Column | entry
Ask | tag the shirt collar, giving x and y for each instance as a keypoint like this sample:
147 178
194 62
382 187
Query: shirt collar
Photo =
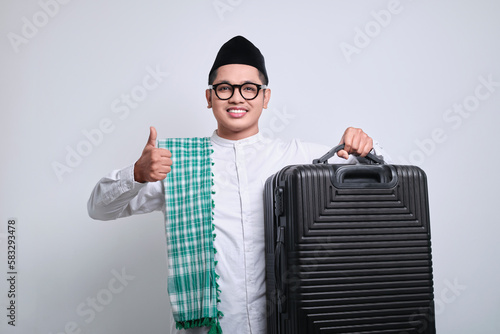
227 142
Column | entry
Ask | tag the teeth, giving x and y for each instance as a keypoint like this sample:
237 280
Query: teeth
236 111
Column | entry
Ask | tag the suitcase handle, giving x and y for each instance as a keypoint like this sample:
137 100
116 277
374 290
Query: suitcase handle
370 158
363 176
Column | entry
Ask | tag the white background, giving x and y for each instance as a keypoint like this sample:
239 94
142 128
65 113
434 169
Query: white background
70 67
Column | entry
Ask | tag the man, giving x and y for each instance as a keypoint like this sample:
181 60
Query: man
242 161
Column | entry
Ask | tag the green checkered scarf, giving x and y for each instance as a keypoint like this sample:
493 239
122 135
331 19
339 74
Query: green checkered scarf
192 281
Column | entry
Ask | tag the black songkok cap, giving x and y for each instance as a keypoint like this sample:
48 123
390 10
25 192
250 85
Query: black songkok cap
239 50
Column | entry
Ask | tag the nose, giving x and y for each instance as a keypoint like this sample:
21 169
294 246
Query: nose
237 97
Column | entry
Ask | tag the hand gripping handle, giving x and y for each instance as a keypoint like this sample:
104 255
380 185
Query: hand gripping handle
370 158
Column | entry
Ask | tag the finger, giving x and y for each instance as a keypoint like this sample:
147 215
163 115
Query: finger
165 152
161 175
367 147
343 154
166 162
342 139
347 139
152 137
355 144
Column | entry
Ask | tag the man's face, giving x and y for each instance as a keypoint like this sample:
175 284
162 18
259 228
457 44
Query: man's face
237 118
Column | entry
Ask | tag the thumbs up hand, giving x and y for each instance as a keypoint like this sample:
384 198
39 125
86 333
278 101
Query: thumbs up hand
154 163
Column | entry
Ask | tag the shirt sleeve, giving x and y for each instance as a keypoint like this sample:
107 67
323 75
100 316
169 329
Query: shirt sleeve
379 150
118 195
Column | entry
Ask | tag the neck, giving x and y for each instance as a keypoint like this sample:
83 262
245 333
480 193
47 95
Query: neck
236 135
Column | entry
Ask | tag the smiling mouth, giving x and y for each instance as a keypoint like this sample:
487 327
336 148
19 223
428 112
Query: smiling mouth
236 111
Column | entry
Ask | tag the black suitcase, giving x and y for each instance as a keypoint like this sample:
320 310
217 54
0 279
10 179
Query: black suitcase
348 249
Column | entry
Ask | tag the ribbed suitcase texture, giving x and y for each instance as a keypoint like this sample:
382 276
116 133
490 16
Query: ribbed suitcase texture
348 250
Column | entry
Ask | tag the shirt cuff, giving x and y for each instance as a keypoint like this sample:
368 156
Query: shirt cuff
127 181
379 151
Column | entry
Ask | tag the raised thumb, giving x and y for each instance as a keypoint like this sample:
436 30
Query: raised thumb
152 137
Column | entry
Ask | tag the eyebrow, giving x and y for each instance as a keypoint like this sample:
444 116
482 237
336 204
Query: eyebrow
245 82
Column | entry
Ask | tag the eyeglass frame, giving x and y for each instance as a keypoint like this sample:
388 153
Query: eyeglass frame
259 87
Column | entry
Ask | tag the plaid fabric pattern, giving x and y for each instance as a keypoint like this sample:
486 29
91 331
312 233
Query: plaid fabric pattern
192 281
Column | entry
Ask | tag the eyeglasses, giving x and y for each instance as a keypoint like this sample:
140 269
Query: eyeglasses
248 91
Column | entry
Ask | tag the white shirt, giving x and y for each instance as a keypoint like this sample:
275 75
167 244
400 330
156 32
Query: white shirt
240 169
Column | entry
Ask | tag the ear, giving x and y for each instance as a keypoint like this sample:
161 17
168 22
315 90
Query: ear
267 97
208 95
